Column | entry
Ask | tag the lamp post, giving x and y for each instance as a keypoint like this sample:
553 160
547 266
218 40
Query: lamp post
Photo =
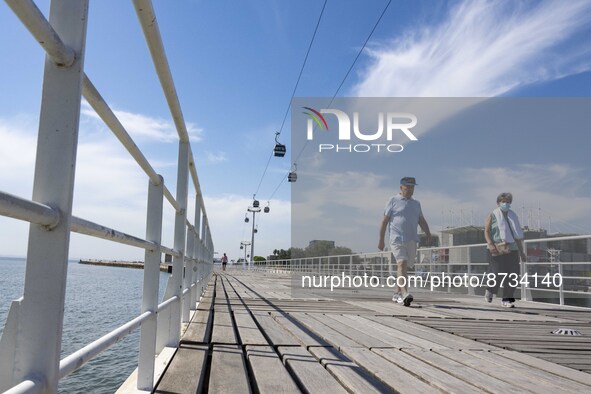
254 211
243 245
255 208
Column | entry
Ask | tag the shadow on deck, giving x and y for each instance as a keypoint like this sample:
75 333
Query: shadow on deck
249 335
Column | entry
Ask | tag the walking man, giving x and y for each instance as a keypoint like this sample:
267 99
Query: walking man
402 215
224 262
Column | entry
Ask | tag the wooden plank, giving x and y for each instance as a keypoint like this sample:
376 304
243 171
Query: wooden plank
481 380
420 331
392 337
186 372
523 379
350 375
228 372
392 375
488 313
223 329
492 326
426 372
331 336
303 334
390 308
248 330
308 372
270 376
552 380
277 334
359 335
199 329
205 304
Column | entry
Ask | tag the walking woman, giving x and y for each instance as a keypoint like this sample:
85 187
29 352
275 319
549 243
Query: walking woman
504 239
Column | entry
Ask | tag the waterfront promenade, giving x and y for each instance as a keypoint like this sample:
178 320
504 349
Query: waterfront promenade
249 335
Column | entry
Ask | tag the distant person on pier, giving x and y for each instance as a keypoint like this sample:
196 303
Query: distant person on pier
224 262
504 239
402 215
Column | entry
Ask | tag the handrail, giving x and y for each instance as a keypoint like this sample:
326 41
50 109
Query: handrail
167 303
86 227
28 386
27 210
194 253
330 265
77 359
149 23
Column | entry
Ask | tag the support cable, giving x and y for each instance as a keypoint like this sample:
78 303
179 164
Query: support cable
294 90
340 86
350 69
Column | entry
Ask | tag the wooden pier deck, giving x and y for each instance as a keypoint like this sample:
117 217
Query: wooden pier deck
249 335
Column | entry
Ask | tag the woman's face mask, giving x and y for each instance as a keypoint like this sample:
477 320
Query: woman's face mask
505 206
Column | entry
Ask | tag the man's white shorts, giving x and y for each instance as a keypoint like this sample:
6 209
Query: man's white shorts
405 251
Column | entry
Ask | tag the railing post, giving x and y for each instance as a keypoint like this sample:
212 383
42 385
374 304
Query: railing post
204 252
196 294
40 320
179 243
198 247
188 276
523 268
561 289
471 290
201 268
145 380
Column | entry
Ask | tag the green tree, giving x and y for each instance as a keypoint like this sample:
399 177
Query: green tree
319 248
297 253
283 254
340 250
259 259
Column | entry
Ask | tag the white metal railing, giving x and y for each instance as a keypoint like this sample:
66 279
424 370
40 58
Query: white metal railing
35 320
539 277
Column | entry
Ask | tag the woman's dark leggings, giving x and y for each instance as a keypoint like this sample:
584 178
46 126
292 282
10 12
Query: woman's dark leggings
505 264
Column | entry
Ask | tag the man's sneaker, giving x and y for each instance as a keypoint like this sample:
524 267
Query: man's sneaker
407 299
488 296
508 304
397 298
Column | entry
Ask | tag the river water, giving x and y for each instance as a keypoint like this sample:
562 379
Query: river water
98 300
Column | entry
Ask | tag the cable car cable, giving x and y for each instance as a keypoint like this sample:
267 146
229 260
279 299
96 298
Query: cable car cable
351 67
340 85
294 90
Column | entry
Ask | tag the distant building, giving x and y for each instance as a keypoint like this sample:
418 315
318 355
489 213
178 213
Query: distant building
423 241
318 242
466 235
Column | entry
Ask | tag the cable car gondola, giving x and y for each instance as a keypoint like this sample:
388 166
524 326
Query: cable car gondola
292 177
279 150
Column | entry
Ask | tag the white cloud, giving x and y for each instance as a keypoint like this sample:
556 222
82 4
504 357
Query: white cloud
559 190
215 157
347 207
17 155
344 207
110 189
229 228
482 49
146 127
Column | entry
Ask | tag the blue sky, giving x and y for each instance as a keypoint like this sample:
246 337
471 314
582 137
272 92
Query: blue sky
235 64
